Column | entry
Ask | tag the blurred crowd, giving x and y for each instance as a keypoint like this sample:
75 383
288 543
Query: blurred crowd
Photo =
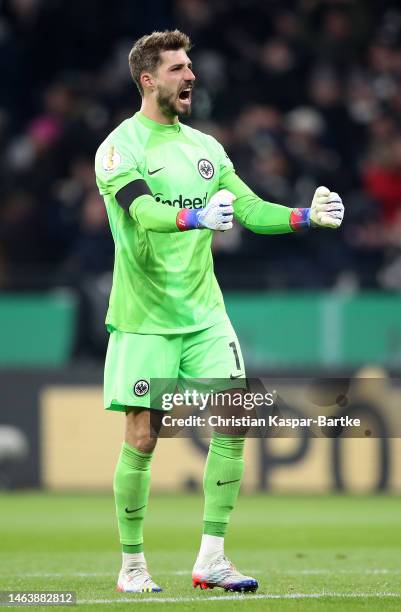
301 93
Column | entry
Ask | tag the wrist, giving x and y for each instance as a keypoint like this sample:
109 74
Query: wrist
300 219
187 219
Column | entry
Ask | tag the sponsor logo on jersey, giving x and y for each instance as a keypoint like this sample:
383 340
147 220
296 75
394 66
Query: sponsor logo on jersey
181 201
141 388
206 169
111 160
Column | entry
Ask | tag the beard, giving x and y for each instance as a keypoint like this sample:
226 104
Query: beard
168 104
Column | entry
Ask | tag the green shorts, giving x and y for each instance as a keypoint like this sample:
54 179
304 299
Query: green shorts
132 360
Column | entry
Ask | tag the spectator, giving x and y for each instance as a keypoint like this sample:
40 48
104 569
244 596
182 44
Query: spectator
299 93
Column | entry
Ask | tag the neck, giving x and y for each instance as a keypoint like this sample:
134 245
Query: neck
153 111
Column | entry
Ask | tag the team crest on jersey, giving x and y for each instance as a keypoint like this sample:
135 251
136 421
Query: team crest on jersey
141 388
206 169
111 160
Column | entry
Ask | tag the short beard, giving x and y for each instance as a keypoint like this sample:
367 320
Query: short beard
166 103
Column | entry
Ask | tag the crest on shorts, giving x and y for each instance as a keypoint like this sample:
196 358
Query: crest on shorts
206 169
111 160
141 388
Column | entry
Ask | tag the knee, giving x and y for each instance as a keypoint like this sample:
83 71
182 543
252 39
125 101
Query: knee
145 444
141 431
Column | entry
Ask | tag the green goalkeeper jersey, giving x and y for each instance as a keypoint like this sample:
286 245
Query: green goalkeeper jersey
163 280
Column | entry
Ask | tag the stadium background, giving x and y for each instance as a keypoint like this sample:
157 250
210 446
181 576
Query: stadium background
300 93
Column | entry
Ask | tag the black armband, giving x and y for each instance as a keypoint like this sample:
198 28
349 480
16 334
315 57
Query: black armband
127 194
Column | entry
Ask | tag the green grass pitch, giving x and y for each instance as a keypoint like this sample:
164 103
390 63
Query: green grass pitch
309 553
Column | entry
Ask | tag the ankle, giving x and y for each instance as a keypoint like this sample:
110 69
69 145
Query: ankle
211 547
133 560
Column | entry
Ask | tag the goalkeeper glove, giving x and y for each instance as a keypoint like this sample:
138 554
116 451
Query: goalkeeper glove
217 215
327 210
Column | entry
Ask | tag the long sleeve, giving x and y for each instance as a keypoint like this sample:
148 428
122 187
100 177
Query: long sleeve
254 213
153 216
122 185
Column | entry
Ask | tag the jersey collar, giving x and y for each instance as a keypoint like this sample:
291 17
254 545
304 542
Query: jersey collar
157 127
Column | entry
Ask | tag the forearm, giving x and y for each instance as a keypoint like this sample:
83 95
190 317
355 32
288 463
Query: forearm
263 217
156 217
254 213
153 216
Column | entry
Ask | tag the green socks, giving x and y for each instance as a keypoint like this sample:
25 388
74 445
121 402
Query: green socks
131 492
221 481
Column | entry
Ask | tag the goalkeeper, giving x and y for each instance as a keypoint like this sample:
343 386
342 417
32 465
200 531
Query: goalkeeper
167 188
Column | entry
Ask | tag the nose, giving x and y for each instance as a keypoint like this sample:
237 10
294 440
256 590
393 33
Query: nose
189 76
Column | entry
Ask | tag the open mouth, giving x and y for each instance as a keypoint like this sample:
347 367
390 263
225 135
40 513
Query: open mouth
185 95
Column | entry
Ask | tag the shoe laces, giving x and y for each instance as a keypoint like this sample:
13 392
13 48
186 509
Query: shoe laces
140 572
224 566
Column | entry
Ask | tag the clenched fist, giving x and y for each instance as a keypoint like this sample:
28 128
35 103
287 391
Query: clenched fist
327 208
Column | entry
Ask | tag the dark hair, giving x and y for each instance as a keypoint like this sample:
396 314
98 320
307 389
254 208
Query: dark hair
145 54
